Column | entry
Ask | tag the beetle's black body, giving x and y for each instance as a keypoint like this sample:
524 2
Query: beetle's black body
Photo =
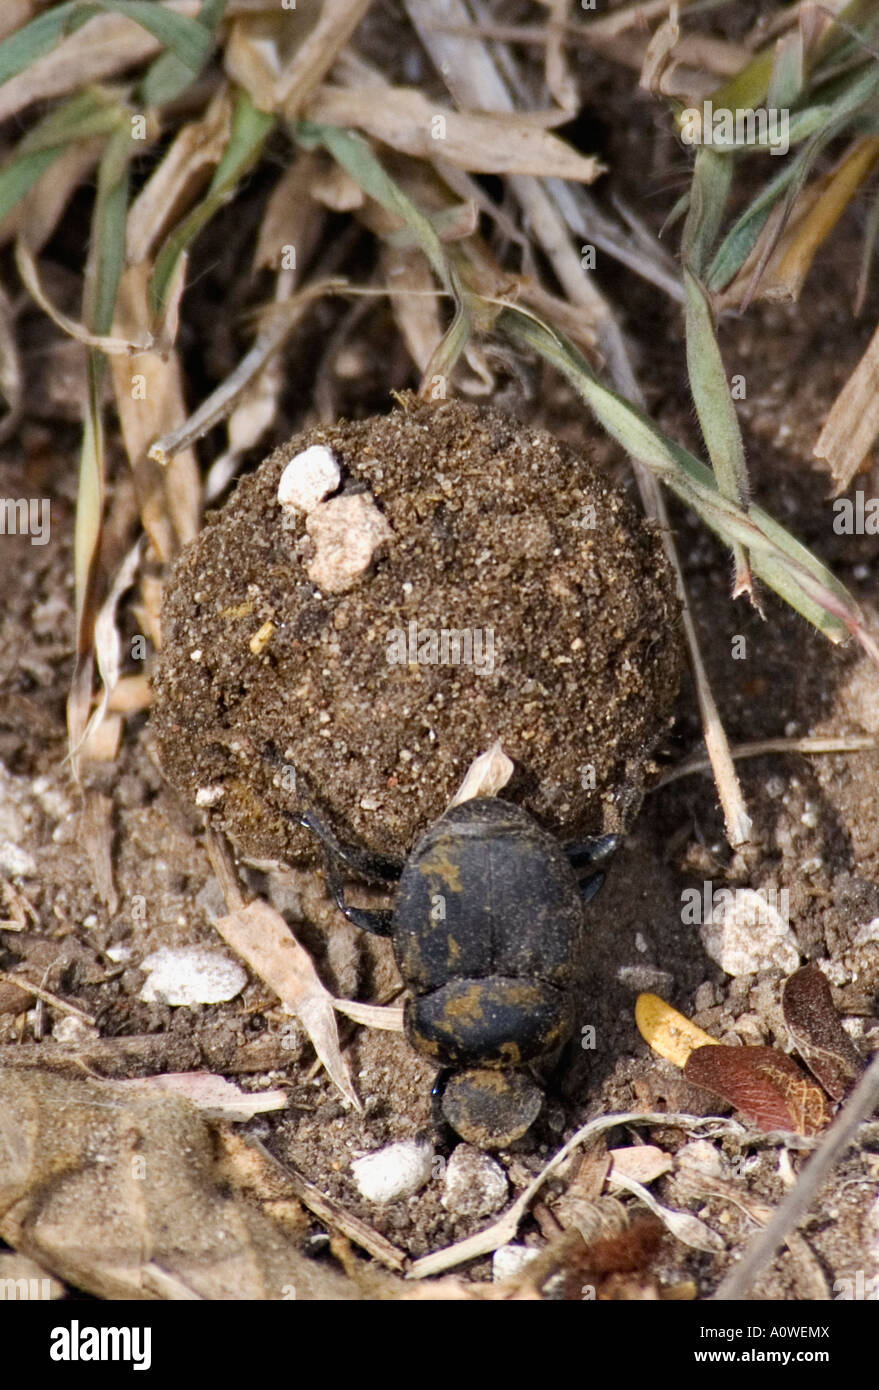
487 927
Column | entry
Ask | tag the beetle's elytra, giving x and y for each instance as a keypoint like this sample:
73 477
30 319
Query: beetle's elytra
487 930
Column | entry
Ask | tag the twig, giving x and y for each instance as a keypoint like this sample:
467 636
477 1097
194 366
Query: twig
859 1106
330 1212
696 763
504 1230
25 985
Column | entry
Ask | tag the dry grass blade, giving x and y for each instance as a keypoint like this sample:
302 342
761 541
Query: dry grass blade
259 934
149 393
483 144
761 747
111 346
852 426
108 647
387 1017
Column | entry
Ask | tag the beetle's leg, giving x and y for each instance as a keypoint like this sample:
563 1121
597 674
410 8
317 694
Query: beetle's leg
594 852
368 864
590 886
375 920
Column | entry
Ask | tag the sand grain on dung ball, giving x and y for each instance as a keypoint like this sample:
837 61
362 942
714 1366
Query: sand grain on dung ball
496 531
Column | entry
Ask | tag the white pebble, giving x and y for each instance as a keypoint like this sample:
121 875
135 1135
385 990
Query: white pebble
308 478
71 1029
397 1171
509 1261
474 1185
346 532
190 975
746 933
209 796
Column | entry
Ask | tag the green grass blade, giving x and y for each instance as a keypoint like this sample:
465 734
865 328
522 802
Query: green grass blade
792 571
167 77
247 136
187 39
355 156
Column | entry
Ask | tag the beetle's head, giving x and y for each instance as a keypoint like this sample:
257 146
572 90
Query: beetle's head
490 1108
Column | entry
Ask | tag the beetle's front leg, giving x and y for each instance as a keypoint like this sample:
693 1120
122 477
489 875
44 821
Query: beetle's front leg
592 854
375 920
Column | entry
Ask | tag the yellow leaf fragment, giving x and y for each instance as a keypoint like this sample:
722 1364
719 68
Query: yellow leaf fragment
669 1033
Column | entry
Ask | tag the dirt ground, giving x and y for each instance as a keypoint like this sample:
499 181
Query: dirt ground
816 818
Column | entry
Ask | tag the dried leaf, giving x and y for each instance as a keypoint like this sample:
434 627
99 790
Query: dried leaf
766 1085
816 1029
483 143
148 387
669 1033
153 1217
96 829
216 1097
486 776
262 938
852 426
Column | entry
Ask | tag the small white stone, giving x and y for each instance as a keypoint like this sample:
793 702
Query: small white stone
346 531
308 478
397 1171
209 796
71 1029
475 1185
182 975
509 1261
16 862
868 932
745 933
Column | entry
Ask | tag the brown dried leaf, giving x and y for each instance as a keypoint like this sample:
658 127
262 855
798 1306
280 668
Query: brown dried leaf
152 1218
149 397
172 187
766 1085
852 426
483 143
213 1095
96 830
262 938
817 1032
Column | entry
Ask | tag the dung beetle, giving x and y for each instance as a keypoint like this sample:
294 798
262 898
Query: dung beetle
487 931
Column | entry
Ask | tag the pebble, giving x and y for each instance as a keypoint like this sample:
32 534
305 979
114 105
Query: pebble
509 1261
182 975
346 532
475 1185
748 934
308 478
400 1170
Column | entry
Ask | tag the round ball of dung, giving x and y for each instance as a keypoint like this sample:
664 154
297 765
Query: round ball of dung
470 580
